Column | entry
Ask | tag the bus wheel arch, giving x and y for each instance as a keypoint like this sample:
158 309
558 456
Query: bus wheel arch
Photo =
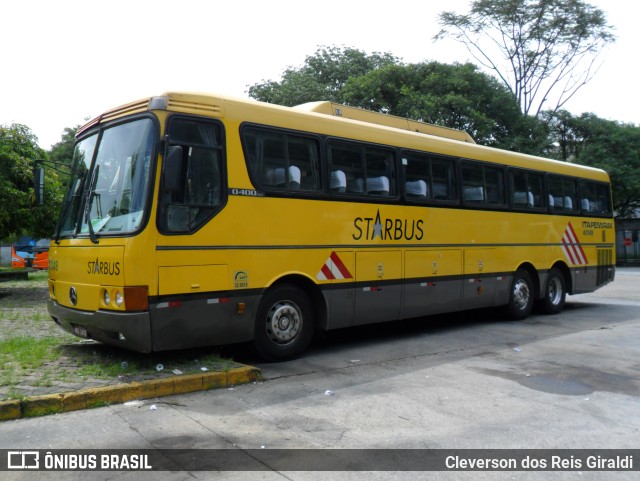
286 319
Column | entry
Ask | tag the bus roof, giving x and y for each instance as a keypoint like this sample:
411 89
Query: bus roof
354 113
330 119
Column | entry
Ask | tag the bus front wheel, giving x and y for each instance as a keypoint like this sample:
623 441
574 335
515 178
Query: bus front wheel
521 296
284 323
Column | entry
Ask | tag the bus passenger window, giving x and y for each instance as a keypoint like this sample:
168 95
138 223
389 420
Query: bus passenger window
367 170
280 161
595 198
527 191
380 171
472 182
427 178
347 159
444 180
495 186
561 192
417 175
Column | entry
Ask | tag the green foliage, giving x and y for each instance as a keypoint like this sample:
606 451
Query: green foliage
19 213
606 144
61 154
322 77
534 46
456 96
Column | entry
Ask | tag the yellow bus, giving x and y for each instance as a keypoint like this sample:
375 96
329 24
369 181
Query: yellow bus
194 220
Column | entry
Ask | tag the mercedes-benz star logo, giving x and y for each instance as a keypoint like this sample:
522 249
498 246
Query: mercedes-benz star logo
73 296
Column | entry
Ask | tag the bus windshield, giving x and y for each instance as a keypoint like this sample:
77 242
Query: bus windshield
109 183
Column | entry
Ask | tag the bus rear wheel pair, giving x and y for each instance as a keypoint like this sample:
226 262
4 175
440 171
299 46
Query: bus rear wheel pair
522 294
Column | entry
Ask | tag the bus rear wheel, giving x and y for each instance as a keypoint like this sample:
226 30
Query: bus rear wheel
284 323
555 293
521 296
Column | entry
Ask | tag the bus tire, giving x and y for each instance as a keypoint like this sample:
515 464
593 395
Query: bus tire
285 323
521 296
555 293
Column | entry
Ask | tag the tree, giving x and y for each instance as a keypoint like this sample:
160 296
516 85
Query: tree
322 77
18 212
456 96
61 153
60 156
606 144
535 47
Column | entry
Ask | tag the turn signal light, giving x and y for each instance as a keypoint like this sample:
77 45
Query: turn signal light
136 298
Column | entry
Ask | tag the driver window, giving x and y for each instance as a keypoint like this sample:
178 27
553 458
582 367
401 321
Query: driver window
199 195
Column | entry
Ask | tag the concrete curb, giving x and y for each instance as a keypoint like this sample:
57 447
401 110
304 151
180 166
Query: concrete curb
120 393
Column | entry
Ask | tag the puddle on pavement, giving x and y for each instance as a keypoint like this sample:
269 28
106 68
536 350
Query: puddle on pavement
555 385
572 381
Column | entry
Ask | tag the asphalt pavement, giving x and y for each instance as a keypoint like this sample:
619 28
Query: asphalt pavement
465 381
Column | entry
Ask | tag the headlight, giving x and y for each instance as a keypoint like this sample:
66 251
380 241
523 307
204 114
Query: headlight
119 298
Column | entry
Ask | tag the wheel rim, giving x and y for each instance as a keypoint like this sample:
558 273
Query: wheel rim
554 291
521 294
284 322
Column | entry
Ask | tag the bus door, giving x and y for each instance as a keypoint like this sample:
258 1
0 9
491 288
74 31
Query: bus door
379 286
432 282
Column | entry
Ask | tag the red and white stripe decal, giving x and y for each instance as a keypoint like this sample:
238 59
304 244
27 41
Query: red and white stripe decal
571 247
332 269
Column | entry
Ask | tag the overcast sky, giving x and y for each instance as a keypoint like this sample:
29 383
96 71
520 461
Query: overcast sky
67 60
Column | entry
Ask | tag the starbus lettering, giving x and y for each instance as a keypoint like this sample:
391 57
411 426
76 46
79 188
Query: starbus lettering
104 268
369 228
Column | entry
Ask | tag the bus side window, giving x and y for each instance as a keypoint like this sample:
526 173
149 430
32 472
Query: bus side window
367 170
595 198
417 177
428 178
347 166
281 160
199 191
443 176
526 190
380 171
472 182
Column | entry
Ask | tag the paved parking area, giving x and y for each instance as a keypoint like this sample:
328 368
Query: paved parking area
473 381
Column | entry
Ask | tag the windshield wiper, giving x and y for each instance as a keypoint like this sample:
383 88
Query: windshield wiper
68 205
87 209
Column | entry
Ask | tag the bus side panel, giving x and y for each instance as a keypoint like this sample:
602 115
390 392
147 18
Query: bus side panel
196 321
478 287
340 296
377 301
340 306
433 282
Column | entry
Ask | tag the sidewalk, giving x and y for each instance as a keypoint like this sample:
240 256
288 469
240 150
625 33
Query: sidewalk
45 370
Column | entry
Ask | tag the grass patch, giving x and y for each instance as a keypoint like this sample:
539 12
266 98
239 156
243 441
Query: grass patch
106 362
36 356
27 357
29 352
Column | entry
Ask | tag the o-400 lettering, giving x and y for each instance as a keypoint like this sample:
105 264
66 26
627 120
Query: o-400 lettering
105 268
368 228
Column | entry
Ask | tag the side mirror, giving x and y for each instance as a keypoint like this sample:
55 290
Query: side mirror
172 168
38 184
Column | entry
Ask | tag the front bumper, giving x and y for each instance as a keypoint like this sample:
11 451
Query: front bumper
129 330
